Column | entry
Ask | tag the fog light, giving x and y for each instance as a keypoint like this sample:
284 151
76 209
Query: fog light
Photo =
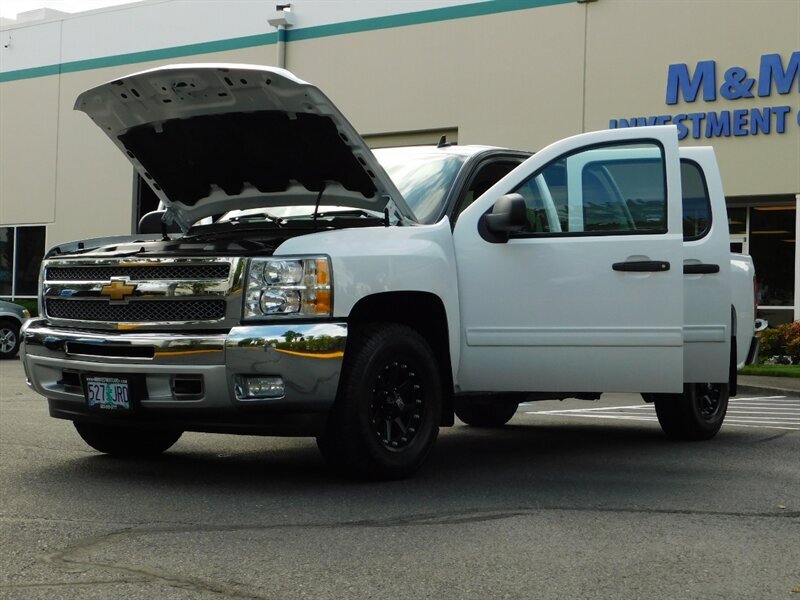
256 387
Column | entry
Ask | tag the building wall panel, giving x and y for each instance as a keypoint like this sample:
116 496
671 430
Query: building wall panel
630 46
512 79
28 135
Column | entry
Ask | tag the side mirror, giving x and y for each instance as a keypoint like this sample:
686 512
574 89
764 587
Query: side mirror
152 223
508 214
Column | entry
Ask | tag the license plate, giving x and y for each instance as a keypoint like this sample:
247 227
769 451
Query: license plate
108 393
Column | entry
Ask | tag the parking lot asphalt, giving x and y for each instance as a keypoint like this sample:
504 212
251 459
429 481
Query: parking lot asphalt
555 505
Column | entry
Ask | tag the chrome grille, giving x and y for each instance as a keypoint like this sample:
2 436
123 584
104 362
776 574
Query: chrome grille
143 311
158 292
138 272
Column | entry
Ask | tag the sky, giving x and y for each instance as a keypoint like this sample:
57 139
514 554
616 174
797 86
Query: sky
10 8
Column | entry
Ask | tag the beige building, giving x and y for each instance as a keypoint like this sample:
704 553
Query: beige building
515 73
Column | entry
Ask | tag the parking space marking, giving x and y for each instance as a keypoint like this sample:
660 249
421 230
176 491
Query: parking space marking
768 412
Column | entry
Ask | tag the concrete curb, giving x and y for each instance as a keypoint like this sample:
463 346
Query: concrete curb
766 391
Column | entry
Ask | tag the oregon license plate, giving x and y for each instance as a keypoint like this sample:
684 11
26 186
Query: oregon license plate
108 393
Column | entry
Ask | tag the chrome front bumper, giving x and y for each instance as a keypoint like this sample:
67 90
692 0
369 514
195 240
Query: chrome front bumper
308 357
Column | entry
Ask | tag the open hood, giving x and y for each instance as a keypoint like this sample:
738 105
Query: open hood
209 138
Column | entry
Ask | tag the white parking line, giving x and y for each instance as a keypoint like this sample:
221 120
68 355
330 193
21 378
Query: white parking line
768 412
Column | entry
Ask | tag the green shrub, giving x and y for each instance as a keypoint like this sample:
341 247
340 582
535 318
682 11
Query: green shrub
793 351
792 337
770 343
783 340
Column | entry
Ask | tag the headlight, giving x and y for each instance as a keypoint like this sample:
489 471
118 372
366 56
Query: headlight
288 287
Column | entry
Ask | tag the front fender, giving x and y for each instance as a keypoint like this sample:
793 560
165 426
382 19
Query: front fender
373 260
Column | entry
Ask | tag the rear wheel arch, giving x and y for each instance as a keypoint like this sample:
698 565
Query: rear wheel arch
423 312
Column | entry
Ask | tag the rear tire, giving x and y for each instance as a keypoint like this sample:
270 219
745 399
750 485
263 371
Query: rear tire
127 441
486 412
387 413
697 414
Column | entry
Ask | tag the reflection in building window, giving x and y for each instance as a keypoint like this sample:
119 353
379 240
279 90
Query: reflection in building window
21 252
6 260
772 243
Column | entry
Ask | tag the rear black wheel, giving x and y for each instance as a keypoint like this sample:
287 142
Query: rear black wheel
486 411
697 414
387 414
127 441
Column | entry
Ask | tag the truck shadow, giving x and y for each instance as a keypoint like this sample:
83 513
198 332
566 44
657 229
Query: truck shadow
519 457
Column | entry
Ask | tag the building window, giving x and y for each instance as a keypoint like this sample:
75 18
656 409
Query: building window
21 253
772 246
768 234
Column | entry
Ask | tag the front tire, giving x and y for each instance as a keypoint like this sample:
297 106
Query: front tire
387 413
486 412
697 414
9 339
127 441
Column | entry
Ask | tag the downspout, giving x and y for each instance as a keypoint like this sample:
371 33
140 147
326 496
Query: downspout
282 20
796 259
281 46
585 59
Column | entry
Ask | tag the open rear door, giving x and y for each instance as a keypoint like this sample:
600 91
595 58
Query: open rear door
588 297
706 270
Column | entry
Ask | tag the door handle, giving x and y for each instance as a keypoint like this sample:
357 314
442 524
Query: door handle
642 266
700 269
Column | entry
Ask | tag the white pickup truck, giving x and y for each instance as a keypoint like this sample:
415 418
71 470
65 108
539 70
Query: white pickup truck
365 298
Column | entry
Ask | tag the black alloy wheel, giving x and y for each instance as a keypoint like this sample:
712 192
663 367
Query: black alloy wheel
708 400
696 414
387 413
398 404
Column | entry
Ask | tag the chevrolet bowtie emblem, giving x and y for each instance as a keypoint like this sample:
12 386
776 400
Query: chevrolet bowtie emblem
117 290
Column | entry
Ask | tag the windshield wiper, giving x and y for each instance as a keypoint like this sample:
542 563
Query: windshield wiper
265 215
352 212
316 206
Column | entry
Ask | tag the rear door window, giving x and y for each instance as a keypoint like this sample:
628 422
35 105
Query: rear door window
696 202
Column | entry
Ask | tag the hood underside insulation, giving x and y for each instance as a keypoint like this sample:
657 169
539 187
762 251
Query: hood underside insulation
270 150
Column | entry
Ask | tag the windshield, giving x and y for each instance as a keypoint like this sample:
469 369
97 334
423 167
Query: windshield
289 217
423 175
288 212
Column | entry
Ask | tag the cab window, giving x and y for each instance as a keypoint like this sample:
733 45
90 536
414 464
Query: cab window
611 190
